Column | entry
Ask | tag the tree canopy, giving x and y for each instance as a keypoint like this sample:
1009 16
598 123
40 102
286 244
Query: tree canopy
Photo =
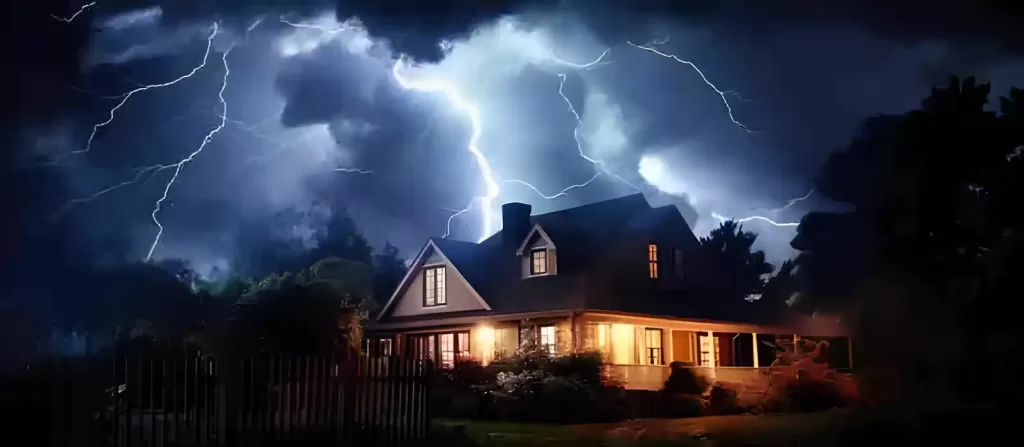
736 271
934 228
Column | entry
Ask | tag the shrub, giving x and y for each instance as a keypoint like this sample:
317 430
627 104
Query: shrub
682 380
722 401
586 367
800 380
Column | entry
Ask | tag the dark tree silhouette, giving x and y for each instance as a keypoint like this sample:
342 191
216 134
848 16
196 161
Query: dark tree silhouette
388 270
934 231
738 271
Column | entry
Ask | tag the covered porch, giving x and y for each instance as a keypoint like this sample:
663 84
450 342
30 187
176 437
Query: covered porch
640 349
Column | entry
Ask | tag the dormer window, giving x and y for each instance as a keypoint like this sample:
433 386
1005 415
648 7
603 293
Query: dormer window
434 287
539 261
652 261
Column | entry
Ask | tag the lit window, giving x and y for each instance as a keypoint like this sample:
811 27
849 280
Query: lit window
434 287
547 339
677 262
706 345
539 262
652 261
462 345
447 347
653 339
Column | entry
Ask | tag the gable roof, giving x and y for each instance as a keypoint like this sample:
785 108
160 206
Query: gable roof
493 270
539 231
456 254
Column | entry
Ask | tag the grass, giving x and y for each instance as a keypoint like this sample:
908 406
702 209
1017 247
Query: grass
831 428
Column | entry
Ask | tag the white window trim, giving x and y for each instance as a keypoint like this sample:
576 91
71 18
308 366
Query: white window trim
547 261
424 269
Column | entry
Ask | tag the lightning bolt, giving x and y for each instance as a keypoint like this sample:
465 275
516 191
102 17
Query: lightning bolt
354 170
722 218
448 226
139 174
561 193
127 96
721 93
75 15
791 202
454 96
181 163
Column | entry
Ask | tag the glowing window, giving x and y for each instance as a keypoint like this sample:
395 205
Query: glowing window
434 287
446 346
652 261
539 262
653 340
547 339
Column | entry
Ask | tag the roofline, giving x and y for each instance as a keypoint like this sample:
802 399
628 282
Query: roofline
441 321
752 327
536 229
416 264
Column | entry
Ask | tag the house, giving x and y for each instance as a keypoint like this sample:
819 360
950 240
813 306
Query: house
617 276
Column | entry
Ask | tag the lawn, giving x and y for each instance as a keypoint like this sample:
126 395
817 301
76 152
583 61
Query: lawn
835 427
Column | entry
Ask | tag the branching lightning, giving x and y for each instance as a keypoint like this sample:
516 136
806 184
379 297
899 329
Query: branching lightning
721 93
722 218
452 93
561 193
75 15
579 122
158 205
127 96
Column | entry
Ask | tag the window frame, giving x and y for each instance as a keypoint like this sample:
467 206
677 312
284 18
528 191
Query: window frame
552 347
654 355
533 261
438 291
652 261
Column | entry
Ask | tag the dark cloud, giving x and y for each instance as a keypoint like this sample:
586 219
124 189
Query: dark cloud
326 84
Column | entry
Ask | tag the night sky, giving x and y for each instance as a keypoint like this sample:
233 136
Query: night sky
316 120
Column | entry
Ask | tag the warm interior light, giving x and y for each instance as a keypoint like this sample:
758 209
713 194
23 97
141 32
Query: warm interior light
484 343
622 344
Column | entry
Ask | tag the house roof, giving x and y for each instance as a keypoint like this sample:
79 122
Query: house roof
493 270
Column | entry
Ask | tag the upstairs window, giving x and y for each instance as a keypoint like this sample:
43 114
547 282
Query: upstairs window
539 261
652 261
677 263
434 287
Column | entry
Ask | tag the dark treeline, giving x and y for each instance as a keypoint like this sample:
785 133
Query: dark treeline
921 267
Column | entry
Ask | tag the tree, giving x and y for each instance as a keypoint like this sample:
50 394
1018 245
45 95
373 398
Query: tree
738 271
933 232
388 270
315 311
779 289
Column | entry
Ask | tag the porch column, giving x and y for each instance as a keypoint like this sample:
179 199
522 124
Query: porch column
711 354
754 337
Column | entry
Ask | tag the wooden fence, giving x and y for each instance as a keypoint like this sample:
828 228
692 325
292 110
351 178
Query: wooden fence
198 401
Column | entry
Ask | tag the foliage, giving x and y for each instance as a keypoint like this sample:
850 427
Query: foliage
388 270
800 379
723 401
933 233
315 311
736 270
682 380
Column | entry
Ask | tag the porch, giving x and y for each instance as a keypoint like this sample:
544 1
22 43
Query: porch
638 349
